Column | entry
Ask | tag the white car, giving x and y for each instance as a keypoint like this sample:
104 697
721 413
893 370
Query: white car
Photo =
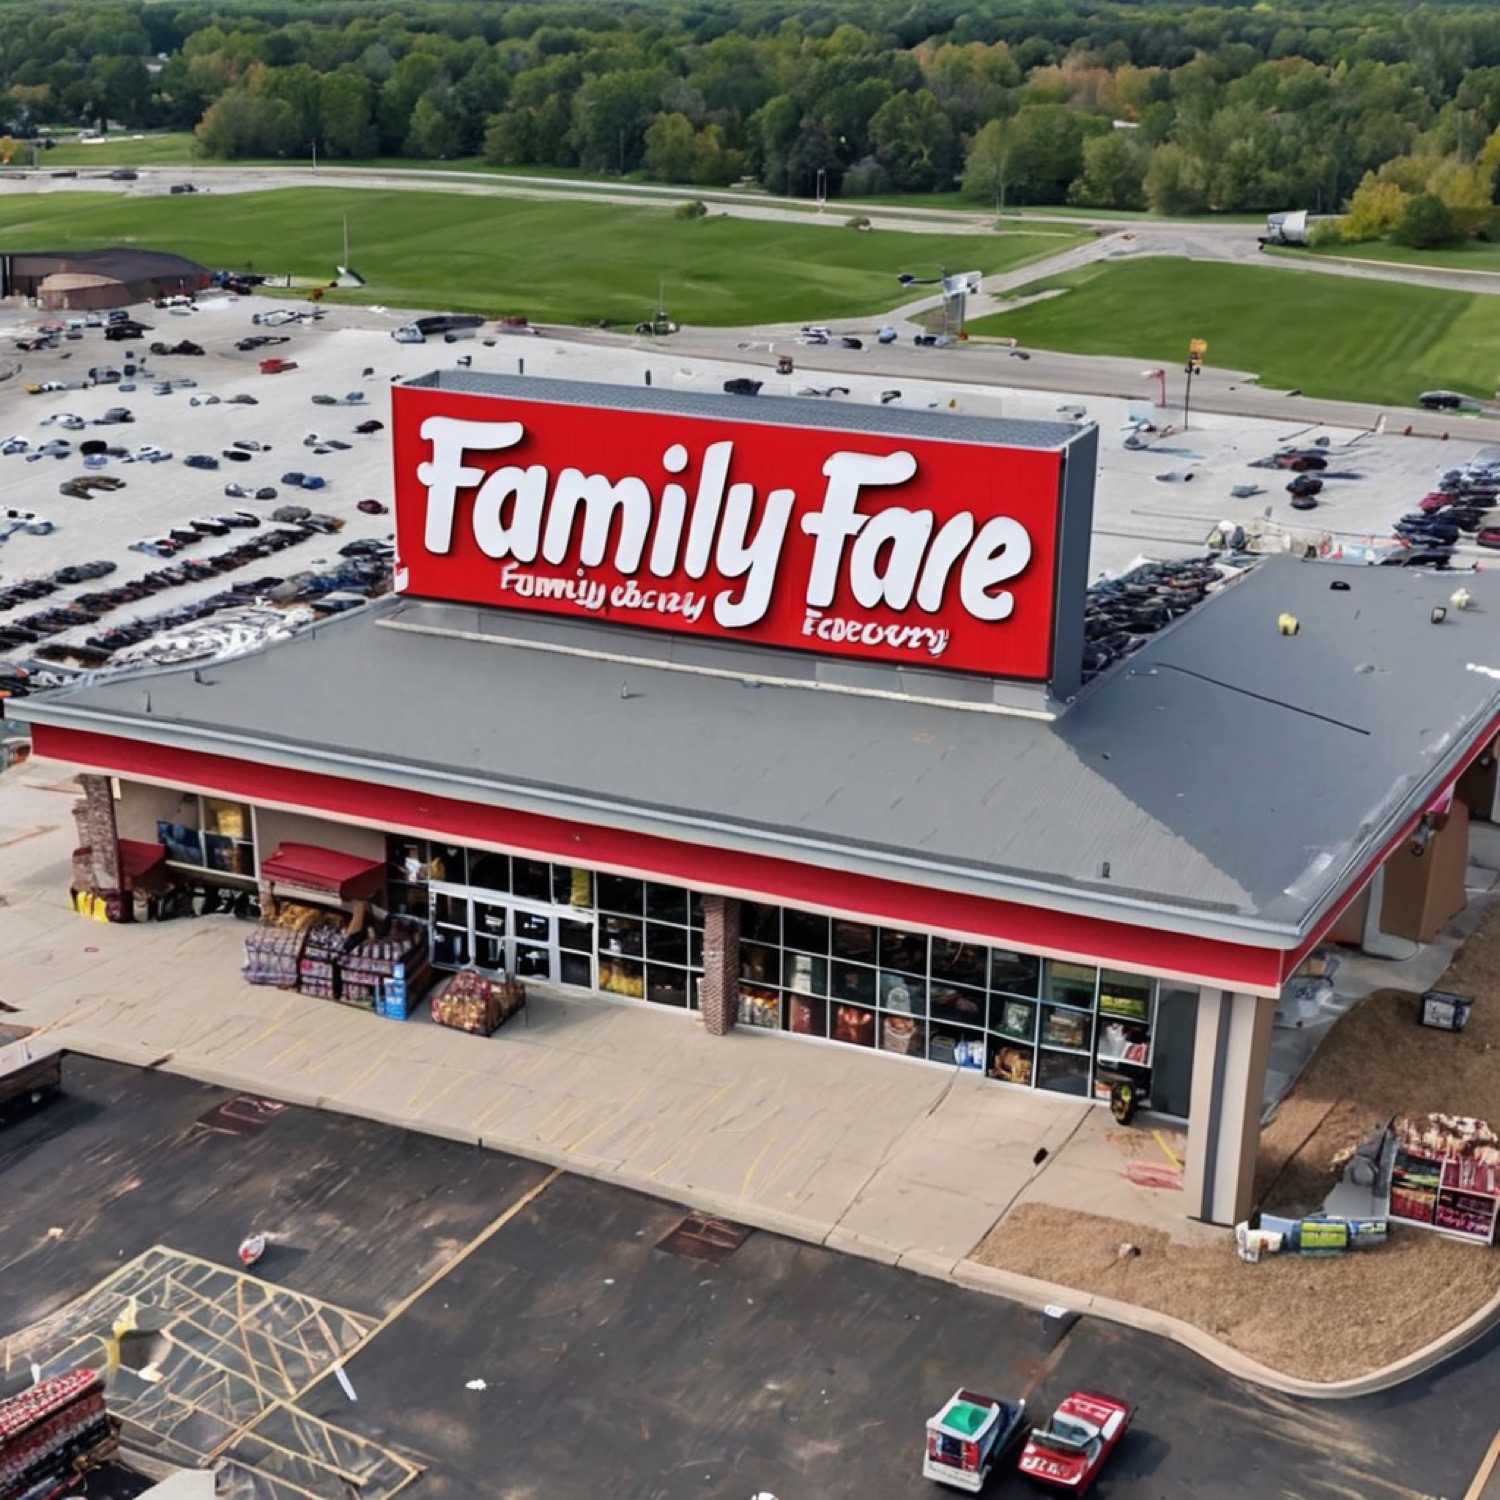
409 333
65 419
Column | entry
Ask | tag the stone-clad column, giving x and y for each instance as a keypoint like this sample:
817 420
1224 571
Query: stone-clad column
720 991
103 838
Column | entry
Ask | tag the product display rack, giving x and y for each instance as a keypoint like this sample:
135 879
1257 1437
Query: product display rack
1445 1176
1454 1195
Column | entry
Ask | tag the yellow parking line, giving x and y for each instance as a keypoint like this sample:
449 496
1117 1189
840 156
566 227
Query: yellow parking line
1485 1469
754 1166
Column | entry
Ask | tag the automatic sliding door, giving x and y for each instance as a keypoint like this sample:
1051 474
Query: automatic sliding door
534 945
491 934
575 956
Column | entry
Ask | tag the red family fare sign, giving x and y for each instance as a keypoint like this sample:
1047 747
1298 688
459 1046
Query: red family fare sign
912 551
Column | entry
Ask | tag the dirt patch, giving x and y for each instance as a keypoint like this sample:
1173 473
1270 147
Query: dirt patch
1377 1061
1361 1306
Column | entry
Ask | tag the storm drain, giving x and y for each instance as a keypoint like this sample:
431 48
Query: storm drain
701 1237
245 1114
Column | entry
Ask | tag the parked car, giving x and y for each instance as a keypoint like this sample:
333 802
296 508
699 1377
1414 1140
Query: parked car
201 461
970 1437
1070 1451
1441 400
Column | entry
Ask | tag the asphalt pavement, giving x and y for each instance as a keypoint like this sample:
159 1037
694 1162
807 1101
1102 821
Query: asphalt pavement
509 1331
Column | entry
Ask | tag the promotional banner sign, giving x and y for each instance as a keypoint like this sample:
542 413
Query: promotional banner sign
909 550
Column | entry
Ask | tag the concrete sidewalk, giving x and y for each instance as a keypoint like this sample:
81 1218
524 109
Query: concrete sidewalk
866 1152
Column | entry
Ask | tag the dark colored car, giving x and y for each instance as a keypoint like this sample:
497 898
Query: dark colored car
742 385
1441 400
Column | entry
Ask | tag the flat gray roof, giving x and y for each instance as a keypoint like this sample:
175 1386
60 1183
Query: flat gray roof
1232 778
935 425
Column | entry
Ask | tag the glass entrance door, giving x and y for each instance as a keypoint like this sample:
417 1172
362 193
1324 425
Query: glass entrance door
496 934
534 945
492 932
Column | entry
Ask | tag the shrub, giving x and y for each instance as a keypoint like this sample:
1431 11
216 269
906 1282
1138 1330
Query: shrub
697 209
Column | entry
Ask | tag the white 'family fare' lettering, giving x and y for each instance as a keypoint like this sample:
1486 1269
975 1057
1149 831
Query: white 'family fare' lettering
889 559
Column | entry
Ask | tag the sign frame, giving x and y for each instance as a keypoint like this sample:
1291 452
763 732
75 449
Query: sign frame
850 533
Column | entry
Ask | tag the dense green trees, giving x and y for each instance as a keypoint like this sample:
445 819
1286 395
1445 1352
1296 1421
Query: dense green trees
1166 104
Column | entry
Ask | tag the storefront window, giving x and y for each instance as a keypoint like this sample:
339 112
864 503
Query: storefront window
807 973
958 1004
904 994
1071 984
215 834
805 930
963 963
621 935
760 924
621 894
667 986
1015 973
760 1006
488 871
1126 996
622 976
531 879
760 963
668 945
853 982
666 903
854 940
904 951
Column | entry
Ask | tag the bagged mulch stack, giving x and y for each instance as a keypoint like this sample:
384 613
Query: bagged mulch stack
470 1002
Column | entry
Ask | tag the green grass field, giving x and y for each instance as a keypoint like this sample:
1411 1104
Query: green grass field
1472 255
562 262
162 150
1328 336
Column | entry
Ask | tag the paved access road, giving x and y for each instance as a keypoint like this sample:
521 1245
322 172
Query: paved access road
609 1365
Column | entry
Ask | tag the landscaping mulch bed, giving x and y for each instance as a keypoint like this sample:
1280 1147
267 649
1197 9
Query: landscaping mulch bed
1369 1308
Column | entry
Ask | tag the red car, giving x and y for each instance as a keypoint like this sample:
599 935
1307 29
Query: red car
1068 1453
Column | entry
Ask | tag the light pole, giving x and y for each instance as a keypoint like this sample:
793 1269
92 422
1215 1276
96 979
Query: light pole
1197 348
314 146
1160 376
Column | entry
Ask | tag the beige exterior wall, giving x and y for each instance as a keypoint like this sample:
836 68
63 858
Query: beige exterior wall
139 807
273 827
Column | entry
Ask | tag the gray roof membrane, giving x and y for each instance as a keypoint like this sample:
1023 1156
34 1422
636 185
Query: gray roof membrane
895 421
1233 773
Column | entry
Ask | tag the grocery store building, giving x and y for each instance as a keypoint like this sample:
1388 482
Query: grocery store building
773 711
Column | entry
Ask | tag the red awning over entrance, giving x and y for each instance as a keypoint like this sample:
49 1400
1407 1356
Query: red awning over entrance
310 868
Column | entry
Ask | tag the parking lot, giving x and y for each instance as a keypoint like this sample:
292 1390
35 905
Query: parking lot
1160 500
508 1331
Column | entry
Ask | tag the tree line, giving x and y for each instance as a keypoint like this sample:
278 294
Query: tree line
1179 108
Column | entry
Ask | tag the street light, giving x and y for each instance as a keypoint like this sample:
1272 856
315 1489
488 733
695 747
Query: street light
1160 376
1197 348
314 145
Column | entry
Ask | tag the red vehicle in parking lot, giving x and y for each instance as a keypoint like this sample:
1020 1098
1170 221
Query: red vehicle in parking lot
1068 1453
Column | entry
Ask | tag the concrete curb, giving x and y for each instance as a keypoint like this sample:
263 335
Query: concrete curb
961 1271
1038 1294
